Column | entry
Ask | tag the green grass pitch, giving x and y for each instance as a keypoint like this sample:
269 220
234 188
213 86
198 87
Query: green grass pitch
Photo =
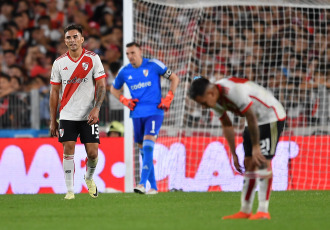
174 210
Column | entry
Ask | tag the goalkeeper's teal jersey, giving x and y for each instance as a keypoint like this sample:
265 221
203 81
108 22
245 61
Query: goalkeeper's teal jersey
144 84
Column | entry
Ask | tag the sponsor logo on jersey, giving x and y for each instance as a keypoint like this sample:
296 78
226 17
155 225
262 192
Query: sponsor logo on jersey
85 65
76 80
145 72
141 85
130 77
61 132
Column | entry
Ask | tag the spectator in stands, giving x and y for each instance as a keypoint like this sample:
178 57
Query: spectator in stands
94 44
9 60
13 111
6 12
58 18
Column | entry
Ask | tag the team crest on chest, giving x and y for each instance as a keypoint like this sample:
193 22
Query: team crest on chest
145 72
85 65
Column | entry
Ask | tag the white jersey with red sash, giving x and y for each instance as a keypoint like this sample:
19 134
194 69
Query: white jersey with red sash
238 95
78 83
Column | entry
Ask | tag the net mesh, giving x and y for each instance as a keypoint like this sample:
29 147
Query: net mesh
283 46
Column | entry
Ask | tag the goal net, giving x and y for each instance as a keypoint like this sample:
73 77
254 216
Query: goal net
282 45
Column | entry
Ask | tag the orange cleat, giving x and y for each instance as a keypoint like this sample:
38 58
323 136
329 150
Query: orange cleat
260 215
239 215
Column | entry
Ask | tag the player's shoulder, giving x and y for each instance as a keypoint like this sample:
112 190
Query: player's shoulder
90 53
62 57
122 69
157 62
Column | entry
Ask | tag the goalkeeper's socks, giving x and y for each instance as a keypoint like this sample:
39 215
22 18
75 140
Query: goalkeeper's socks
148 149
68 167
151 178
141 153
91 166
248 191
265 187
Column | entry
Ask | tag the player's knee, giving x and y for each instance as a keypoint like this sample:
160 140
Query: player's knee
92 155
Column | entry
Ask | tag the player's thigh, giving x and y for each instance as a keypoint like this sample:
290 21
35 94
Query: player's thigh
68 131
89 133
138 126
152 125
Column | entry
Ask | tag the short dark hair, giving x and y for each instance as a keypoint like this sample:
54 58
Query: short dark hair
5 76
133 44
9 51
73 27
198 87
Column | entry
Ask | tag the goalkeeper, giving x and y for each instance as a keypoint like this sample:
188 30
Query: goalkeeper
142 76
264 116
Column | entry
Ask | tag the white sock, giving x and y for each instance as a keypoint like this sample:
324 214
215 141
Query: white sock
265 187
248 192
68 167
91 166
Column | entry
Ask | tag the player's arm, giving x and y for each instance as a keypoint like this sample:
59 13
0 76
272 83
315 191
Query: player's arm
53 103
257 158
166 102
229 133
174 82
100 88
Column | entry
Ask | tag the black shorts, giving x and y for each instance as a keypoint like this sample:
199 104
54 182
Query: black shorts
70 130
269 135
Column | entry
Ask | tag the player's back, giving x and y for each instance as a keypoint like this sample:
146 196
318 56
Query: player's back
266 107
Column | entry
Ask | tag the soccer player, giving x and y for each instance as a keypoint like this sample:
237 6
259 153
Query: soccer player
142 76
264 116
78 76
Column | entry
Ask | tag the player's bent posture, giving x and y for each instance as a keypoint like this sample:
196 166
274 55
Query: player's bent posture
265 120
142 76
78 76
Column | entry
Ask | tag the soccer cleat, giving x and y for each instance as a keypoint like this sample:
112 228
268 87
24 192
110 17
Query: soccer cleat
69 196
239 215
92 189
140 189
152 192
259 216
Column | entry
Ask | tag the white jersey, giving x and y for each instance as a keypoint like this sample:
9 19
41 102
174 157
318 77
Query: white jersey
238 95
78 83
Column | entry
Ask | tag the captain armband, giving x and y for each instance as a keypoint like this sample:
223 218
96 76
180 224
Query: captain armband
167 74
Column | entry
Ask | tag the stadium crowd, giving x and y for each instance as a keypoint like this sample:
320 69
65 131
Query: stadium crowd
286 49
32 38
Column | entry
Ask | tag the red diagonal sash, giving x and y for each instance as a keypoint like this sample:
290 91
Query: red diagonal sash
79 73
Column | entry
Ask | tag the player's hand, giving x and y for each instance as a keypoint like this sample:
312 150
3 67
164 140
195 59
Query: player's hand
93 116
257 158
53 128
238 167
130 103
166 102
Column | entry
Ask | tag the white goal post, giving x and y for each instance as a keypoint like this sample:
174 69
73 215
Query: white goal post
283 45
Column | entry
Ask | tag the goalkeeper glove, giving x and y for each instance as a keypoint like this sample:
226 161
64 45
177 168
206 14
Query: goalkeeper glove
130 103
166 102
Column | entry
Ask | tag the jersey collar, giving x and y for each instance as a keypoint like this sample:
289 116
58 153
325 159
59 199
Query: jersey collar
82 53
